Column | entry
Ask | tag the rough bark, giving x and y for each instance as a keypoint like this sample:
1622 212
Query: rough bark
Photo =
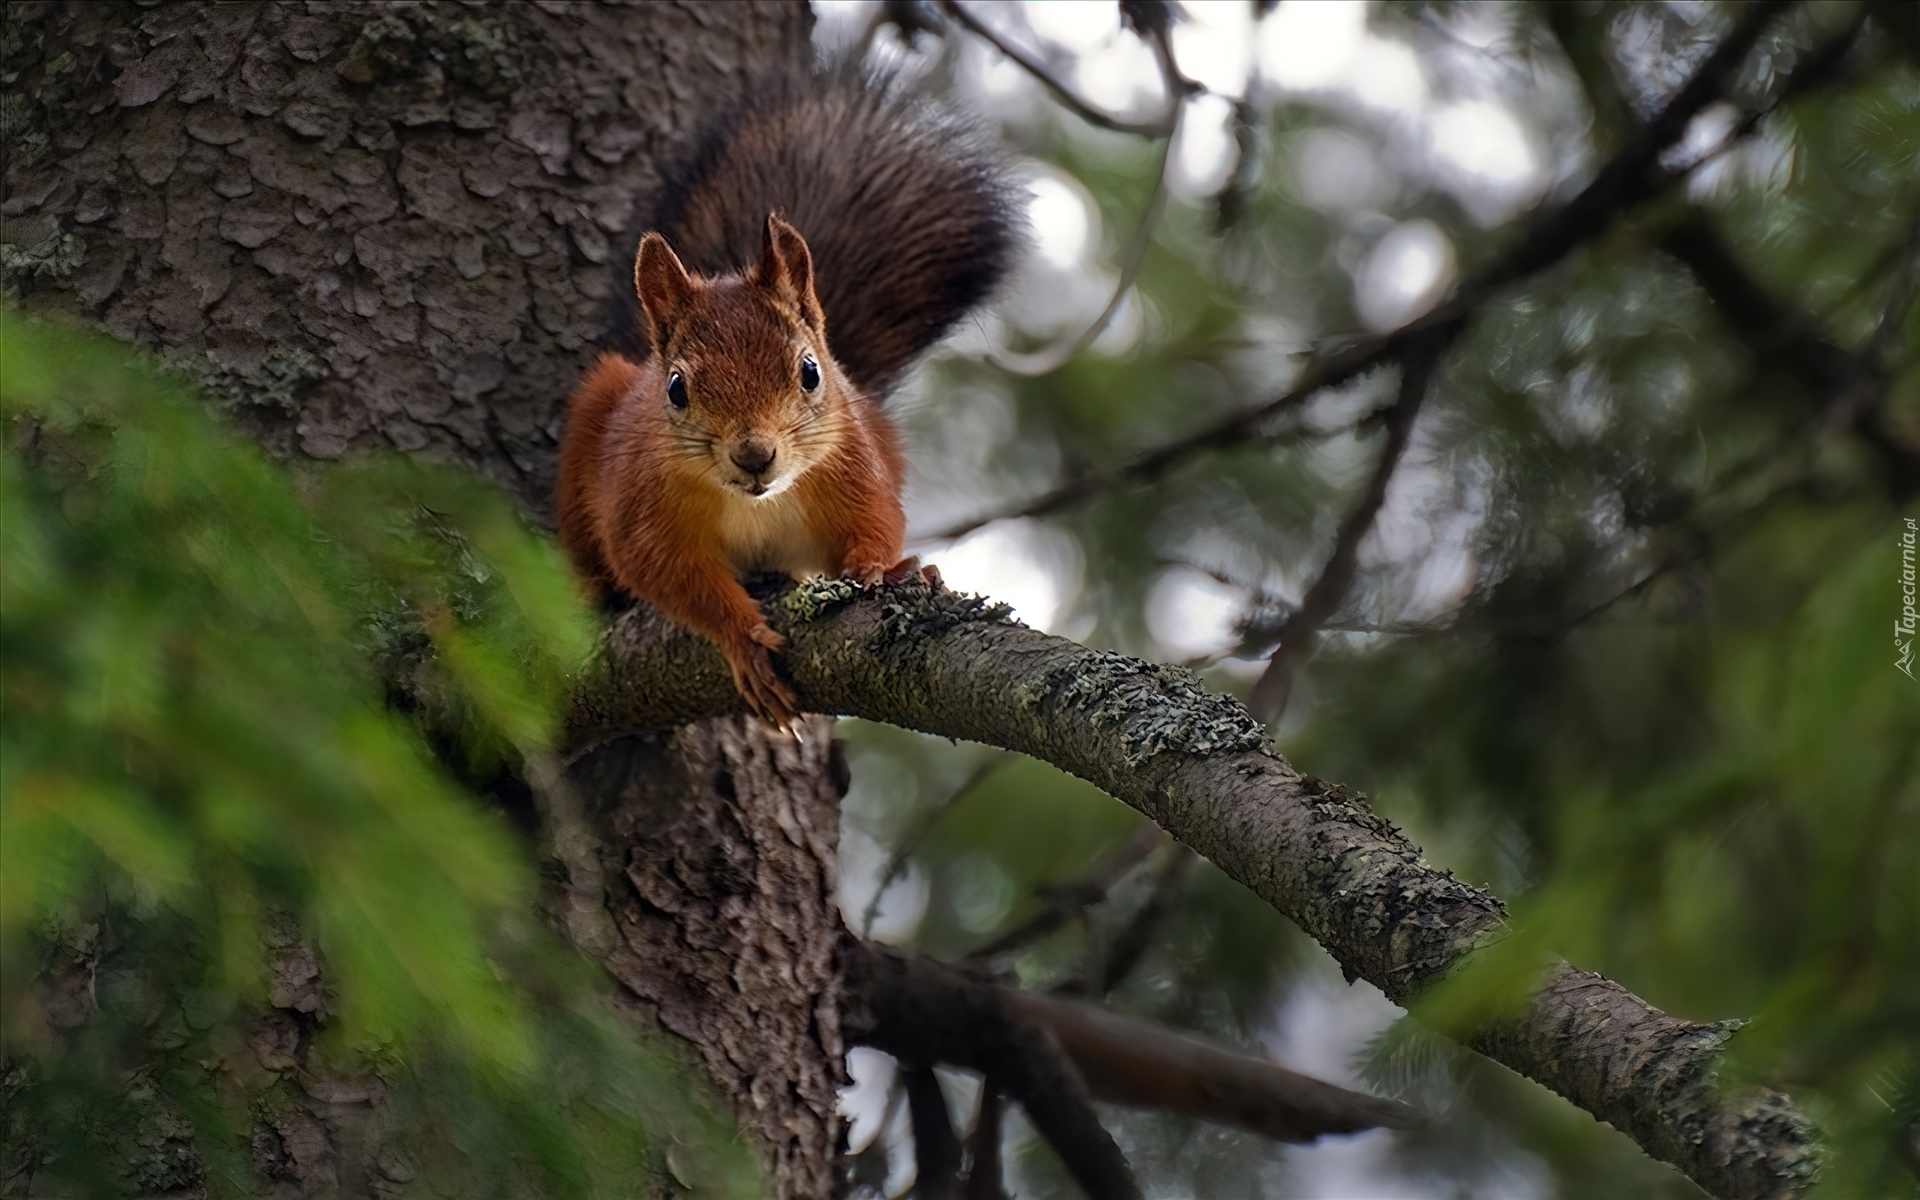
1197 764
385 223
719 847
360 222
319 1128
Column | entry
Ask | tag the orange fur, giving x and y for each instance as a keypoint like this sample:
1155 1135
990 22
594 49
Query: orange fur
661 502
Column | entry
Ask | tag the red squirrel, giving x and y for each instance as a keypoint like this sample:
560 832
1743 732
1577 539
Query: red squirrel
827 231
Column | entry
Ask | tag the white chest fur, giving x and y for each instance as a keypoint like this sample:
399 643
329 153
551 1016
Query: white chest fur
769 534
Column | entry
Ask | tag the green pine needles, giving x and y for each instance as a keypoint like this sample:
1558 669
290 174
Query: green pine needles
238 870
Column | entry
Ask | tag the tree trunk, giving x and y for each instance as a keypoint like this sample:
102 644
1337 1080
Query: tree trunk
388 224
361 224
718 847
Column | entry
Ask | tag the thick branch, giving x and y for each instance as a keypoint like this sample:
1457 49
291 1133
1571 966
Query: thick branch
1196 763
924 1010
936 1151
921 1012
1131 1062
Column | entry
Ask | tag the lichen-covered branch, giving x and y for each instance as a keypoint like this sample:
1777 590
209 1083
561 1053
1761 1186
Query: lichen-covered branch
1196 762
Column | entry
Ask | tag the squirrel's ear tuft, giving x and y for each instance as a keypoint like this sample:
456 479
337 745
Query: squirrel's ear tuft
663 285
786 269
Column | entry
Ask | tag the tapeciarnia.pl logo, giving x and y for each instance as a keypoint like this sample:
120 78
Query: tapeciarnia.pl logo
1903 628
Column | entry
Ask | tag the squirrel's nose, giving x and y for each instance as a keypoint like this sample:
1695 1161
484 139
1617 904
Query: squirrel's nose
753 457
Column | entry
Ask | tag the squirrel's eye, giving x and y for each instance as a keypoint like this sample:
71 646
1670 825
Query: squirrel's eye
809 372
676 390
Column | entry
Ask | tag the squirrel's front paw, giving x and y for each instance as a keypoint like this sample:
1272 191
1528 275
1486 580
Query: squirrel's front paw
873 574
753 676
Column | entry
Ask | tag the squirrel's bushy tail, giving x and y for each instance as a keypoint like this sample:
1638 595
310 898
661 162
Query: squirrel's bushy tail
907 209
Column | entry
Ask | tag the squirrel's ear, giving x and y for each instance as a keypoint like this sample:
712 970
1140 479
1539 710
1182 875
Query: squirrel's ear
786 268
663 285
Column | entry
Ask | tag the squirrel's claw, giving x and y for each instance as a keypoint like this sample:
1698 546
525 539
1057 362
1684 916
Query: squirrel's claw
900 572
766 694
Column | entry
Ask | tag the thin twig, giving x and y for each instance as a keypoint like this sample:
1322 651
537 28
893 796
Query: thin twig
1631 176
909 845
1043 362
1809 72
1066 95
1301 629
1064 901
1124 951
1700 542
1046 361
1322 371
1258 632
1696 547
1850 384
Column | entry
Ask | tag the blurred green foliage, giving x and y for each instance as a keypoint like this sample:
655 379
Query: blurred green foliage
232 692
1619 645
